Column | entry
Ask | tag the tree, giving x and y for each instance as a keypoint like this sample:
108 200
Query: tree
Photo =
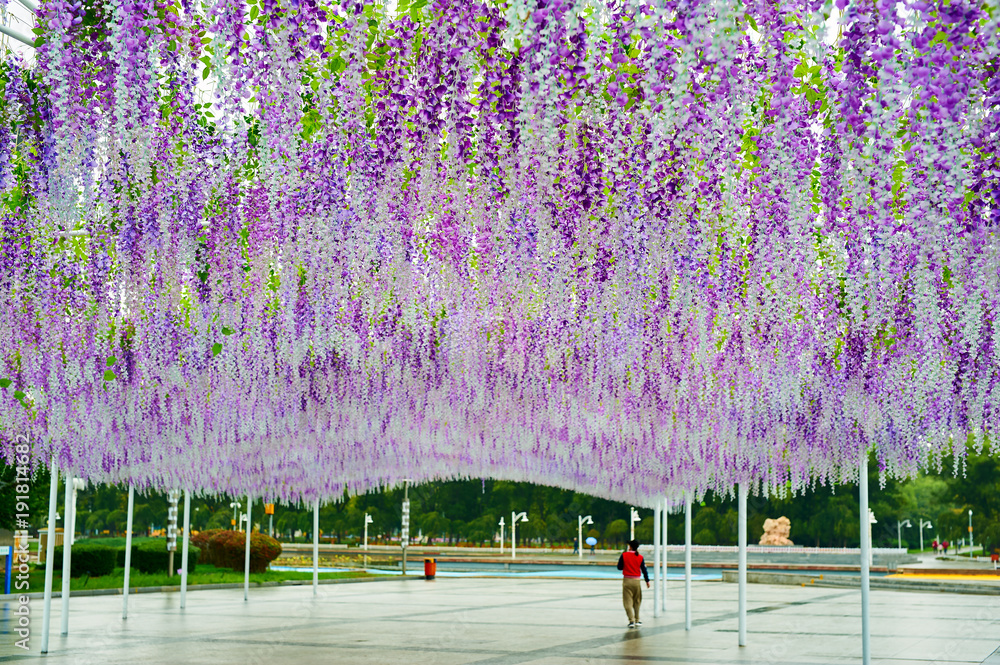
220 519
96 521
143 518
644 529
287 523
616 531
434 525
117 520
305 523
705 537
482 529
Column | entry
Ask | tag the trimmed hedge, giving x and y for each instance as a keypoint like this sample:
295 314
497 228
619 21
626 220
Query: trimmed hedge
227 549
88 559
152 556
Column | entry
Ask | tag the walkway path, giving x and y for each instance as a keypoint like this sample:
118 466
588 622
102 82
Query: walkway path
509 622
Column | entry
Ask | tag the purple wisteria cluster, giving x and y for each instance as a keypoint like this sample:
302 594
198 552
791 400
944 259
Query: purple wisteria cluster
292 248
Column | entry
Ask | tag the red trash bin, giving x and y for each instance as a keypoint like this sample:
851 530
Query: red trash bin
430 568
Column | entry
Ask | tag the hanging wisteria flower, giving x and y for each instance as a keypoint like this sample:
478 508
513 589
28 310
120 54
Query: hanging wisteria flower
296 248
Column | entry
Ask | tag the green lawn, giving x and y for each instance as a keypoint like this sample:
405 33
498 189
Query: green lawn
204 574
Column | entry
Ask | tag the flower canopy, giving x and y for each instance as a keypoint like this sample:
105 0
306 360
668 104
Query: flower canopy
633 248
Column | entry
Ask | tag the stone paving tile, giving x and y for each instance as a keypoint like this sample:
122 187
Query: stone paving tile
509 622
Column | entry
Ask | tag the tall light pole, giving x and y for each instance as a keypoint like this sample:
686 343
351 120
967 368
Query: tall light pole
235 505
633 518
368 520
924 523
404 535
580 521
514 519
501 535
871 520
899 531
970 533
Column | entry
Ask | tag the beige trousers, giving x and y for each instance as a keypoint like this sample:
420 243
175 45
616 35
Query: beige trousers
632 597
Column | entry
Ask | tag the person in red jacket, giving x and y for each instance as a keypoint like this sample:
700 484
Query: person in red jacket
632 566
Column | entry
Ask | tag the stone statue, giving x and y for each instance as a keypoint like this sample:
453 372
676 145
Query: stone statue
776 532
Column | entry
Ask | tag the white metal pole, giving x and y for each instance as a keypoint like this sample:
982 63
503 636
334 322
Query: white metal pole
656 560
246 556
513 536
921 535
69 524
579 536
687 563
128 549
866 653
742 534
16 34
501 535
184 548
666 540
316 548
366 532
50 553
30 5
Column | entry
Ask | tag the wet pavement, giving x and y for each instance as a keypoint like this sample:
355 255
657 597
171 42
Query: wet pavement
510 621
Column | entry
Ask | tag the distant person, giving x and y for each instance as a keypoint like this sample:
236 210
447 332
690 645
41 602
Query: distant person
944 546
632 566
576 546
934 546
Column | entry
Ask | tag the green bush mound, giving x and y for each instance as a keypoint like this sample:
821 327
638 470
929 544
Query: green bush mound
227 549
88 559
152 556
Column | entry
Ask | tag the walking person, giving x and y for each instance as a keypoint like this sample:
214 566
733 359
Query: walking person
632 566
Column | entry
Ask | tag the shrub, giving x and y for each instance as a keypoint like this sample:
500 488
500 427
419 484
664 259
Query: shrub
202 540
227 549
152 557
705 537
88 559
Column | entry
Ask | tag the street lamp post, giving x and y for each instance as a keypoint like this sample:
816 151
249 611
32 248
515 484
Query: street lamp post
580 521
970 533
924 523
501 535
899 531
235 505
514 519
368 520
871 520
633 518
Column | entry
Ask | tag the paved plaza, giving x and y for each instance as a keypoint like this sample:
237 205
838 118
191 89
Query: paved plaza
508 621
